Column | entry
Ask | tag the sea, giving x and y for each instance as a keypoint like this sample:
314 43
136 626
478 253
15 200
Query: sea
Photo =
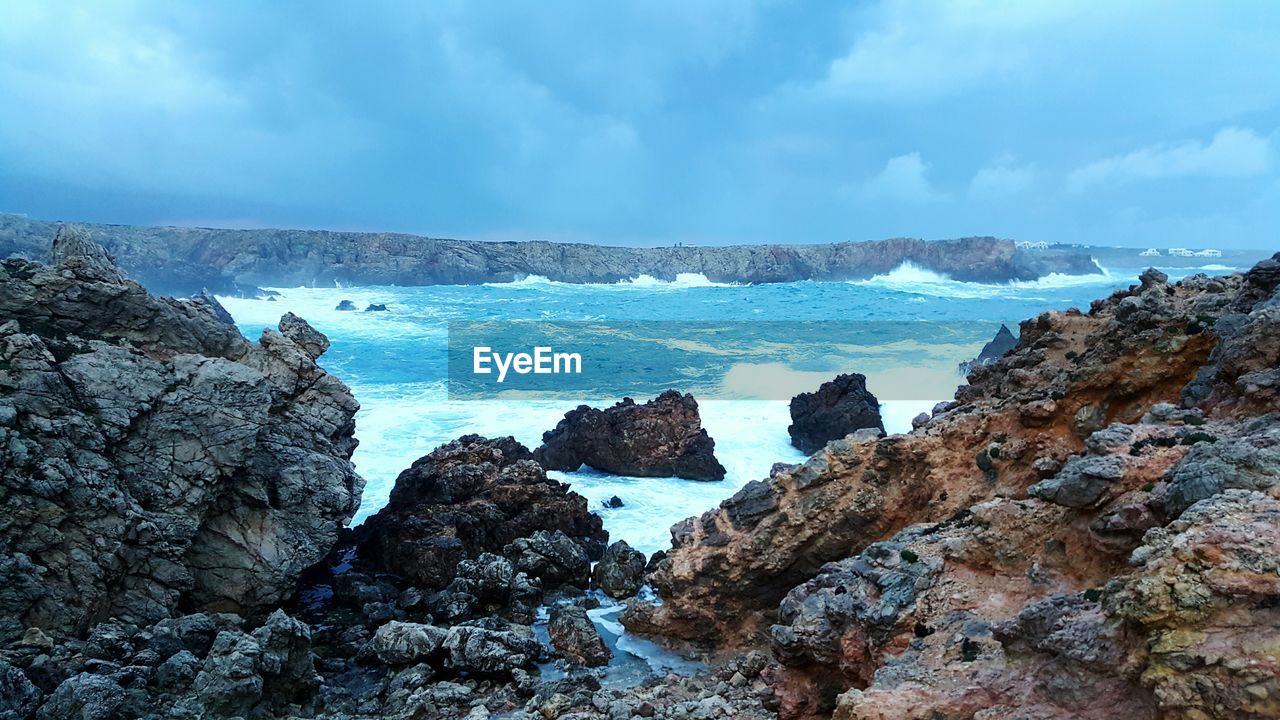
395 363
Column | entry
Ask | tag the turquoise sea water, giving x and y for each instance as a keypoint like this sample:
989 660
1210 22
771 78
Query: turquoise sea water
395 363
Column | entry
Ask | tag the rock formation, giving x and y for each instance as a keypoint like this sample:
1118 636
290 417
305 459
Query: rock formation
151 458
1087 531
996 348
467 497
661 438
620 573
184 260
573 634
838 408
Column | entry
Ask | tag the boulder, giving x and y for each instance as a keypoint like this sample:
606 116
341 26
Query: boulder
838 408
663 437
84 697
376 307
405 643
552 557
467 497
151 456
574 635
490 652
19 697
620 573
346 306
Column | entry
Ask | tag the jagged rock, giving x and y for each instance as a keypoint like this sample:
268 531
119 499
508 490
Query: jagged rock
84 697
573 634
346 306
489 652
620 573
289 675
552 557
403 643
19 697
312 341
489 584
206 298
839 407
663 437
996 348
1210 467
467 497
151 455
1203 594
176 674
376 307
613 502
229 683
1082 481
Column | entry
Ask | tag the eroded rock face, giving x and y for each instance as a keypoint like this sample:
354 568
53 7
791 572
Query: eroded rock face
151 457
661 438
467 497
838 408
1087 531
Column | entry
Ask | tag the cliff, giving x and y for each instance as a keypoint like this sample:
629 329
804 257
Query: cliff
184 260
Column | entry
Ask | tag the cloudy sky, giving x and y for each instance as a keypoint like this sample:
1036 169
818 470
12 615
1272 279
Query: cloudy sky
653 121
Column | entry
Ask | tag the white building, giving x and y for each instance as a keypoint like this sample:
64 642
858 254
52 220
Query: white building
1180 252
1028 245
1150 252
1210 252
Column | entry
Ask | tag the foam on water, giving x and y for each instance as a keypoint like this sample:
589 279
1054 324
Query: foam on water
911 278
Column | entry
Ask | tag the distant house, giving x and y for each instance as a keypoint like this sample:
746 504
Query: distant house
1210 252
1150 252
1181 252
1028 245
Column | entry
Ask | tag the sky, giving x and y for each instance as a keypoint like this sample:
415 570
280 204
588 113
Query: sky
652 121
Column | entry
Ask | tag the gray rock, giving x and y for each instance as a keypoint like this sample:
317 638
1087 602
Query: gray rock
620 573
154 455
229 682
1251 462
1083 481
489 652
573 634
404 643
552 557
19 697
84 697
176 674
312 341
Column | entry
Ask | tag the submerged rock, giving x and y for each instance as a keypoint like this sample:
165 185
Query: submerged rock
376 307
663 437
838 408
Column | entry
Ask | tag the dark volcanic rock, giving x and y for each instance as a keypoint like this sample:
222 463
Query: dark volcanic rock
573 634
1002 343
150 456
620 573
376 307
552 557
660 438
467 497
346 305
835 410
226 261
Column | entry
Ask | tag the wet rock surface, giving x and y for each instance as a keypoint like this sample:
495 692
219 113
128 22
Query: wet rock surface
573 635
663 437
838 408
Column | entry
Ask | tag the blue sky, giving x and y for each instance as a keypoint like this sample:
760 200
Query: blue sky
1131 123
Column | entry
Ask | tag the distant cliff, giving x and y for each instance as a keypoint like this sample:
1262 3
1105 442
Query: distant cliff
183 260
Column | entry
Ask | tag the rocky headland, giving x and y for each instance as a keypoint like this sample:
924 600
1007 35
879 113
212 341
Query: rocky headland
182 261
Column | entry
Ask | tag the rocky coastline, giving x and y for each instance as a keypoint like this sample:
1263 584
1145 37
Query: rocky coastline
1091 529
182 261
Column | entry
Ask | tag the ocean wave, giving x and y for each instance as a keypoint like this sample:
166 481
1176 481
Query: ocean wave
682 281
911 278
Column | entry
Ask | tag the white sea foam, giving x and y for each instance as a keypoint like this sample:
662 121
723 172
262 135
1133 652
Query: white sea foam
911 278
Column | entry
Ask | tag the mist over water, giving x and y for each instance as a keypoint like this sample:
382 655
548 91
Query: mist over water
395 363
